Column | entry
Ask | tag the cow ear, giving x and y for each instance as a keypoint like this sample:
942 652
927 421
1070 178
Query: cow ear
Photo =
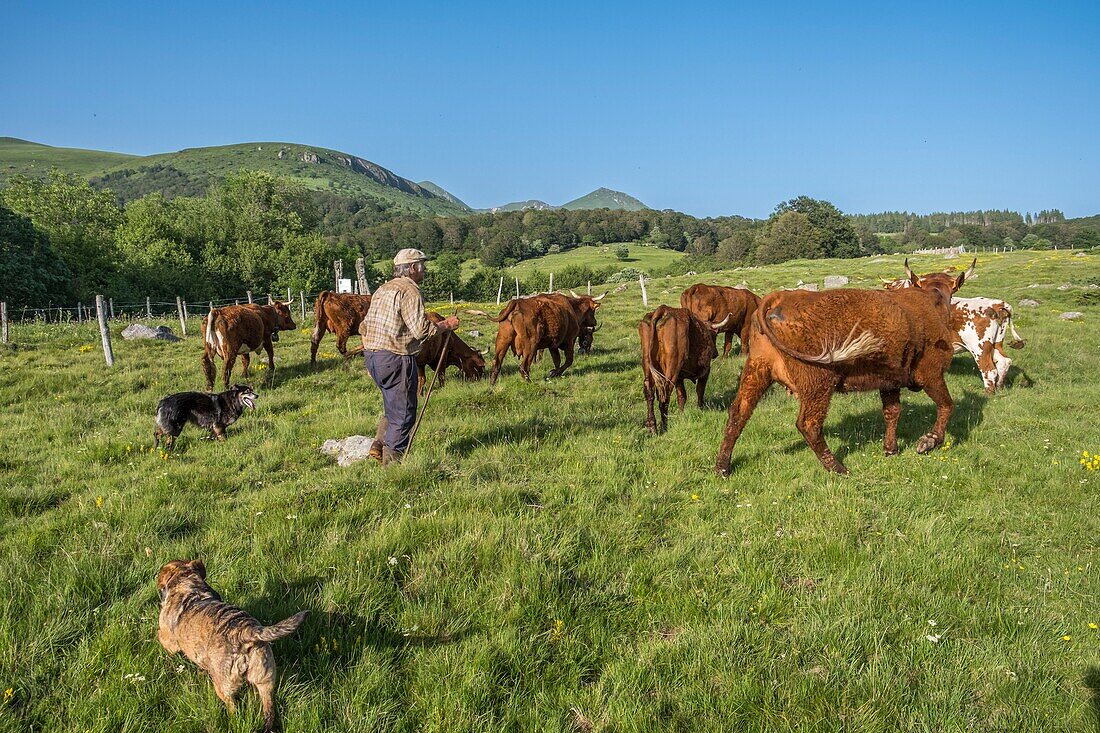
198 567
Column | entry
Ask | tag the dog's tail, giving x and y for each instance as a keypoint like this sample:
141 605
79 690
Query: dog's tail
286 627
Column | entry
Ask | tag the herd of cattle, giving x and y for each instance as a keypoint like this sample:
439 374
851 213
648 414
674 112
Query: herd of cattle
813 343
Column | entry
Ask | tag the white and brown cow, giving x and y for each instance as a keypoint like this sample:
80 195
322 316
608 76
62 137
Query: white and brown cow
980 326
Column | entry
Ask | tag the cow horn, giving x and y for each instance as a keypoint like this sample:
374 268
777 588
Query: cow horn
970 270
485 352
269 300
909 273
289 303
473 312
597 327
601 296
725 320
573 294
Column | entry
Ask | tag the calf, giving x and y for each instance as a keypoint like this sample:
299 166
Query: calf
338 313
676 345
240 330
712 303
818 343
555 322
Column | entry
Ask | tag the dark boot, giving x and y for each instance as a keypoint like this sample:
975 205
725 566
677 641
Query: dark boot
375 451
391 457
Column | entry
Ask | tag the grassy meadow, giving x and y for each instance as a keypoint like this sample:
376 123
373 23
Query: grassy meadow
542 563
642 257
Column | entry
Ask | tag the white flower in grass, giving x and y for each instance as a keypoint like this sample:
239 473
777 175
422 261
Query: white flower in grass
292 517
932 622
392 560
934 638
134 677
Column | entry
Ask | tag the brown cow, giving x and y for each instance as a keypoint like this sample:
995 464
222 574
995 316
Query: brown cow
676 345
817 343
550 321
242 329
712 303
459 355
339 313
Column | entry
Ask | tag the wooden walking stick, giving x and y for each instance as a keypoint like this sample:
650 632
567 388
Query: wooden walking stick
428 395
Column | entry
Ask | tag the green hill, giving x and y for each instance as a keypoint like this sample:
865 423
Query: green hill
605 198
444 193
23 156
190 171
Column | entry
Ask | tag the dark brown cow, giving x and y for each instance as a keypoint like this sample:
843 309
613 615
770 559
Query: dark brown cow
339 313
818 343
676 345
552 321
240 330
459 355
712 303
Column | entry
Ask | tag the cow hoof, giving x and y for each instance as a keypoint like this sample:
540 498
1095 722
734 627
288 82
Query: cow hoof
890 451
926 443
837 467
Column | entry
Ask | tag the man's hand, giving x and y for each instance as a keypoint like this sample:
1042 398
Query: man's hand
448 325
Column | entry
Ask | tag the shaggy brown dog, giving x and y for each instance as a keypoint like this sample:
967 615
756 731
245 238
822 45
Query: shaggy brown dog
231 646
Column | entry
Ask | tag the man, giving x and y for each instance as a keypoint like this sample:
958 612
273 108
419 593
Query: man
393 331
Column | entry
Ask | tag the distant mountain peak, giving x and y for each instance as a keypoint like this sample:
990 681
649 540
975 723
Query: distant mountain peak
606 198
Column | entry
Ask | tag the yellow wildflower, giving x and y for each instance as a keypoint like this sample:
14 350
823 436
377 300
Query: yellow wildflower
99 502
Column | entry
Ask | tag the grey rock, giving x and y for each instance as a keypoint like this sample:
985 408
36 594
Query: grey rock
951 256
140 331
349 450
835 281
1072 316
1065 286
1029 302
806 286
308 156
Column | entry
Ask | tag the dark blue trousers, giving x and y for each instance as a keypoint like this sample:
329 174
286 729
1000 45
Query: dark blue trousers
395 376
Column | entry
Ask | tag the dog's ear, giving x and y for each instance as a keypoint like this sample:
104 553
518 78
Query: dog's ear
198 567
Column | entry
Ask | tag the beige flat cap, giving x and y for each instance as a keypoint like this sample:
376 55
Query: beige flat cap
409 256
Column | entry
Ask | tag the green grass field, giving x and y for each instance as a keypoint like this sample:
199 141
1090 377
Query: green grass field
642 257
542 563
22 156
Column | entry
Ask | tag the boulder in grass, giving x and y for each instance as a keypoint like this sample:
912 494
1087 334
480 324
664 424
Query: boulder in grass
1072 316
835 281
1029 302
349 450
806 286
137 331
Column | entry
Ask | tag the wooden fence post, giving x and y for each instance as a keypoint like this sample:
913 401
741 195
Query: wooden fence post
183 319
517 287
361 273
289 297
302 295
148 308
249 294
590 287
3 322
111 301
500 289
645 295
452 298
104 333
338 268
551 283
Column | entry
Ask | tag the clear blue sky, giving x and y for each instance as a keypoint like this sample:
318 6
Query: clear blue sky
708 108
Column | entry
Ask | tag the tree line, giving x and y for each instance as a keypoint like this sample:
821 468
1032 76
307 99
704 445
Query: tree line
64 239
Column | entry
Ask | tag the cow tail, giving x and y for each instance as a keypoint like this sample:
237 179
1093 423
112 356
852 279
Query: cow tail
662 386
1017 342
212 336
506 312
852 347
319 317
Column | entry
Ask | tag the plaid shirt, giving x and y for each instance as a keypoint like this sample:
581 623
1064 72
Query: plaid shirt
396 321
